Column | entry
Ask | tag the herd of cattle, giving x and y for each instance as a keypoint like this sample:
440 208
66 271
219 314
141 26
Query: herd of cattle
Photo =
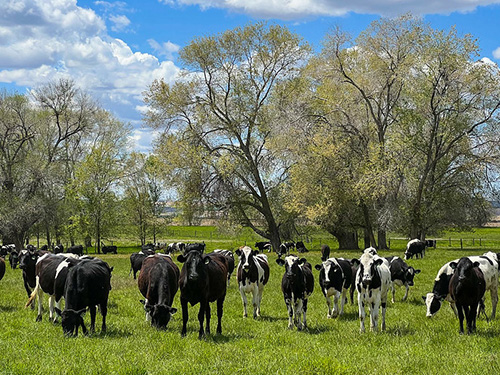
85 282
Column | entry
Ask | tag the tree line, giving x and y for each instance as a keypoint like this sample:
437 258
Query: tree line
394 130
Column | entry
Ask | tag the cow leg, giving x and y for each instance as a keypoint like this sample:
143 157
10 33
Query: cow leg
82 323
393 289
471 319
220 311
304 312
255 301
259 299
329 305
351 293
460 317
454 308
28 291
374 307
494 299
362 314
297 313
245 301
184 306
104 312
92 310
208 313
289 307
52 300
40 306
384 307
406 294
201 317
335 311
344 300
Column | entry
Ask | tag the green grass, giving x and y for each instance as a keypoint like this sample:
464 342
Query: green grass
412 343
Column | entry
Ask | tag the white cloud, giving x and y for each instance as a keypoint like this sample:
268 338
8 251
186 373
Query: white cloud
166 49
299 9
119 22
496 53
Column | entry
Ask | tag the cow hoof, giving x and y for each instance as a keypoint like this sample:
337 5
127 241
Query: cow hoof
39 318
245 315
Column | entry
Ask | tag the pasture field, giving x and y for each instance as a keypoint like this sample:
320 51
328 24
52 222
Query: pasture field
412 343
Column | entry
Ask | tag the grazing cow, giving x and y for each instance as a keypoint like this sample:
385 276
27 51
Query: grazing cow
335 279
488 263
230 262
112 249
59 248
373 281
325 252
87 285
158 283
252 275
467 287
401 275
51 271
415 247
301 248
297 285
175 246
13 259
203 280
199 246
2 268
76 249
136 260
264 245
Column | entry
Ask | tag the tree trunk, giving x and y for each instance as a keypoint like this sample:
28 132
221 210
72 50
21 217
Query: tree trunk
382 240
347 239
366 238
368 225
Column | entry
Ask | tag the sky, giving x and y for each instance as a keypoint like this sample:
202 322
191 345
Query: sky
115 49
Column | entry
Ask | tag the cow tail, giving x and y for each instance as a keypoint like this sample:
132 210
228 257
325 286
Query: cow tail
34 293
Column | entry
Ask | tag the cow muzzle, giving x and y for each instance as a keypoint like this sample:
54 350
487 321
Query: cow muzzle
366 282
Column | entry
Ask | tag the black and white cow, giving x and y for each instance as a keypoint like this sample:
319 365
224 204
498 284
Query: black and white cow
230 262
297 285
285 248
488 263
2 268
401 275
51 271
325 252
203 280
467 287
175 246
335 279
59 248
158 282
415 247
264 245
373 281
87 285
76 249
252 275
111 249
7 249
13 259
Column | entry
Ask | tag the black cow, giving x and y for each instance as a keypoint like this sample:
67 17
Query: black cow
13 259
230 262
111 249
325 252
199 246
27 262
297 285
264 245
401 274
252 275
87 285
301 248
415 247
2 268
430 243
158 283
335 279
136 260
76 249
51 272
467 287
59 248
203 280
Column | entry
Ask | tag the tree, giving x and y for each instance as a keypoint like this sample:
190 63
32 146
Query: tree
220 112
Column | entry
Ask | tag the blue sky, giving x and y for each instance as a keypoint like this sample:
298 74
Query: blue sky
114 49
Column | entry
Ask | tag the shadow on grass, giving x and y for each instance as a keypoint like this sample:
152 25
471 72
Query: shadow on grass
400 330
7 309
269 318
318 329
110 333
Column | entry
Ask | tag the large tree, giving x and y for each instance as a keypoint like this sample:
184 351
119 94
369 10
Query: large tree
219 113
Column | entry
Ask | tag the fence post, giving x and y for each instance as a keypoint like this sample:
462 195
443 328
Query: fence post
389 244
473 242
449 243
479 242
461 244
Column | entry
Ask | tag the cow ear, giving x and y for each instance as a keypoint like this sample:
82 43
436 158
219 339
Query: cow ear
58 312
238 252
417 271
379 261
302 261
355 262
255 252
82 311
181 258
111 269
475 264
318 266
280 262
453 265
206 260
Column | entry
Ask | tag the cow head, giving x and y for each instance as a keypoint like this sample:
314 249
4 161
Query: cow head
246 255
331 272
292 265
463 268
410 274
194 262
27 259
71 320
433 303
160 314
367 267
325 252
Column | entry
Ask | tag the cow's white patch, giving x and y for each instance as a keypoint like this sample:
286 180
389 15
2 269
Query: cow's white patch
60 267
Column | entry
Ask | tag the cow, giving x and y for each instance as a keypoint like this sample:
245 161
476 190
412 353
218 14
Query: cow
112 249
175 246
373 281
199 246
75 249
2 268
415 247
467 287
148 246
430 243
203 280
136 260
87 285
13 259
297 285
325 252
230 262
488 263
301 248
335 279
59 248
27 263
401 274
263 245
252 275
285 247
158 283
51 271
7 249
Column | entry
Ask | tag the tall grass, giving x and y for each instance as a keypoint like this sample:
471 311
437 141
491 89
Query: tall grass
412 343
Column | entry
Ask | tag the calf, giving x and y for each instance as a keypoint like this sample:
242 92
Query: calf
109 249
401 275
51 271
87 285
297 285
158 283
2 268
325 252
264 245
230 262
335 279
13 259
467 287
301 248
373 280
136 260
252 275
488 263
76 249
415 247
203 280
